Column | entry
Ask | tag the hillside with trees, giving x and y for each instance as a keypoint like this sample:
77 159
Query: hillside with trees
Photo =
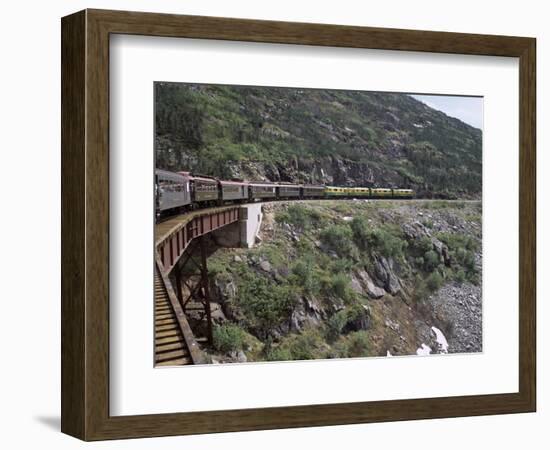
348 138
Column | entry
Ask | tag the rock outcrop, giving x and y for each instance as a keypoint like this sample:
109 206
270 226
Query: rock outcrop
385 274
362 283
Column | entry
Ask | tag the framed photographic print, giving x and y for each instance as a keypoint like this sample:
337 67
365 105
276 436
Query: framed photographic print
271 224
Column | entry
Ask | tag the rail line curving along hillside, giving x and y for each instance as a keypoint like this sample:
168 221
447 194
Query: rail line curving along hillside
182 191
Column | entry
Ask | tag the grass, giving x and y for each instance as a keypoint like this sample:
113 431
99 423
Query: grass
300 216
442 204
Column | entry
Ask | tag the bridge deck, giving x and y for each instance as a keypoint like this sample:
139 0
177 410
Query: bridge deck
173 236
165 229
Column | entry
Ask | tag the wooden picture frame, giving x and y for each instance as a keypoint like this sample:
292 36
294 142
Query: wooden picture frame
85 224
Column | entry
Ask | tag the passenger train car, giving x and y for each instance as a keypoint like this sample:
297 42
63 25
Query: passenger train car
183 191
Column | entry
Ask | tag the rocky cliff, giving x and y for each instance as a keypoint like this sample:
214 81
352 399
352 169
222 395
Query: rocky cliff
349 279
348 138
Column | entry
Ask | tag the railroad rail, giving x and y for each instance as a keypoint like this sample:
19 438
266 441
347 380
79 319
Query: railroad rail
170 346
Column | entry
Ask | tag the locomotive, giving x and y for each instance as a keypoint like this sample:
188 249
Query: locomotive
182 191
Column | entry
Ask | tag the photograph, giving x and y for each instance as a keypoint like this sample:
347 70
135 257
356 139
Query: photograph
315 224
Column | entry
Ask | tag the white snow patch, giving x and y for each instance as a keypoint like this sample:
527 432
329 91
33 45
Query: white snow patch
441 340
347 218
388 353
423 350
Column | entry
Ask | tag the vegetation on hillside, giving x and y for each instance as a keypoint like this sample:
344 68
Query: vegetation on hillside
304 294
309 135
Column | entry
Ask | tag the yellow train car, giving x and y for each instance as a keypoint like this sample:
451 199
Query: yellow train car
381 193
358 192
335 191
403 193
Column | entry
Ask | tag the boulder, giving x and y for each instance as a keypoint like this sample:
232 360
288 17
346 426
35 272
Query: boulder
306 314
442 250
357 320
224 289
217 313
297 318
356 285
371 289
414 230
313 308
384 271
265 266
360 320
238 356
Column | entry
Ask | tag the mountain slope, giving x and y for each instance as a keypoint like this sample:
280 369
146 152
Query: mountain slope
322 136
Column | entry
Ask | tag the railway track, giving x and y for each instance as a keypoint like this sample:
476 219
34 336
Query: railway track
166 222
170 346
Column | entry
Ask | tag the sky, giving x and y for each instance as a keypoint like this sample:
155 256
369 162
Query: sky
467 109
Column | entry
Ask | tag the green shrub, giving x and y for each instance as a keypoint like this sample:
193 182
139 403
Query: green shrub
431 260
216 266
340 286
361 231
303 347
428 223
460 276
457 240
354 345
388 241
299 216
462 250
304 247
421 291
422 245
301 268
336 324
434 281
264 303
307 345
465 258
340 320
306 276
358 344
341 265
339 238
278 354
228 338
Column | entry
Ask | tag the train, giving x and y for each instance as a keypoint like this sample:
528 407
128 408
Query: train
183 191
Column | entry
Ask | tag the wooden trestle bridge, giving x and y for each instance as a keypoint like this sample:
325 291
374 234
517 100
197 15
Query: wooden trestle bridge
179 292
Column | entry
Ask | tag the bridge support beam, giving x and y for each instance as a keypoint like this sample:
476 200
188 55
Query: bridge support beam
242 233
192 273
250 220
